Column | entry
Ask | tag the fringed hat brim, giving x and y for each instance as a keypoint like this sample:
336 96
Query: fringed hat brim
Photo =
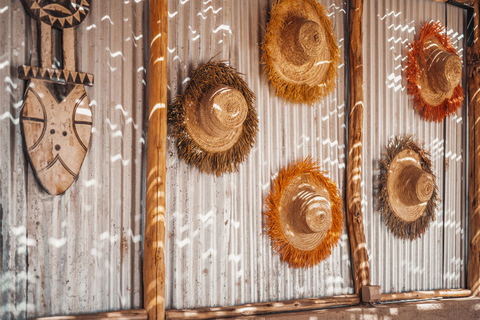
428 111
299 93
294 257
202 80
401 228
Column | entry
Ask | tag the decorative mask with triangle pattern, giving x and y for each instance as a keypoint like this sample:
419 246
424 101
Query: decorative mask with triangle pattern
56 117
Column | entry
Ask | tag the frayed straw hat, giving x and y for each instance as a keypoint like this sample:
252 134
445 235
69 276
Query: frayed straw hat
407 192
304 216
434 74
300 52
214 122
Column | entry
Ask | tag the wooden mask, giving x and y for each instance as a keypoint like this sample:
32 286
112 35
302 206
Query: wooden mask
56 118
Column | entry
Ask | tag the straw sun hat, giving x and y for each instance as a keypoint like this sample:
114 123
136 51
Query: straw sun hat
214 122
434 74
407 192
304 216
300 52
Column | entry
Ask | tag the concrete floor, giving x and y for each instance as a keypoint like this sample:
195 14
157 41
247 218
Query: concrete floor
457 309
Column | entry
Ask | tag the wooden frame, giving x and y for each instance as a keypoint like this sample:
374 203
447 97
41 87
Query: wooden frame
426 294
473 60
264 308
154 266
140 314
154 253
356 233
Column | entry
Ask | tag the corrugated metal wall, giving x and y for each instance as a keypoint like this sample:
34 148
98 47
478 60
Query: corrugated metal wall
437 260
217 250
80 252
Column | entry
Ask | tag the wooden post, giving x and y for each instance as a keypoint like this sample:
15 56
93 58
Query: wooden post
354 163
251 309
154 249
473 271
114 315
430 294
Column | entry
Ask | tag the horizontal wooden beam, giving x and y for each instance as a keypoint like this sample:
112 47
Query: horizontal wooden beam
139 314
263 308
465 2
430 294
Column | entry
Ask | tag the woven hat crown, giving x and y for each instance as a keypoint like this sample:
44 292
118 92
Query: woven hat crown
300 51
434 74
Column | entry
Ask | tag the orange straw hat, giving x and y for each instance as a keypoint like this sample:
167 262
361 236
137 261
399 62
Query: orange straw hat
300 52
304 216
214 121
434 74
407 192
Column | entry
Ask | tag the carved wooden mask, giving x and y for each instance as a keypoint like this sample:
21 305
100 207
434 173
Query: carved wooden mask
56 118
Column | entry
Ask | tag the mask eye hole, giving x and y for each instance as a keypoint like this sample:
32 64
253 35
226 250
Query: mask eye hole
52 131
64 133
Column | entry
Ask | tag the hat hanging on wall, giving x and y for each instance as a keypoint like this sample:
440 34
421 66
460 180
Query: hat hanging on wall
214 122
407 192
300 52
434 74
304 215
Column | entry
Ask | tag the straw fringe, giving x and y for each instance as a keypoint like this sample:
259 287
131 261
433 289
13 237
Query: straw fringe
300 93
427 111
203 78
294 257
400 227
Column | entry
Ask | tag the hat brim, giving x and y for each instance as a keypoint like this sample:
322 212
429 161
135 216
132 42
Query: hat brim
290 90
413 228
416 79
190 148
295 257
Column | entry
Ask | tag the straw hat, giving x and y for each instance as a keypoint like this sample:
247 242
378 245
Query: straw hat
214 121
434 74
304 216
407 192
300 52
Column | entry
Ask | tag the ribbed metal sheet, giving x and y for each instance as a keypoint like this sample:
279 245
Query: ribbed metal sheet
217 250
437 259
79 252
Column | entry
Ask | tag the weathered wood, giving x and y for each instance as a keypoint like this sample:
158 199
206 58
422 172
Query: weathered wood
263 308
473 271
430 294
56 116
466 2
46 47
118 315
154 245
57 125
69 49
58 14
354 163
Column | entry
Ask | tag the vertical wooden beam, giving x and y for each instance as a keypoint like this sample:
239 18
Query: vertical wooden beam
154 249
354 163
473 271
46 47
69 49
